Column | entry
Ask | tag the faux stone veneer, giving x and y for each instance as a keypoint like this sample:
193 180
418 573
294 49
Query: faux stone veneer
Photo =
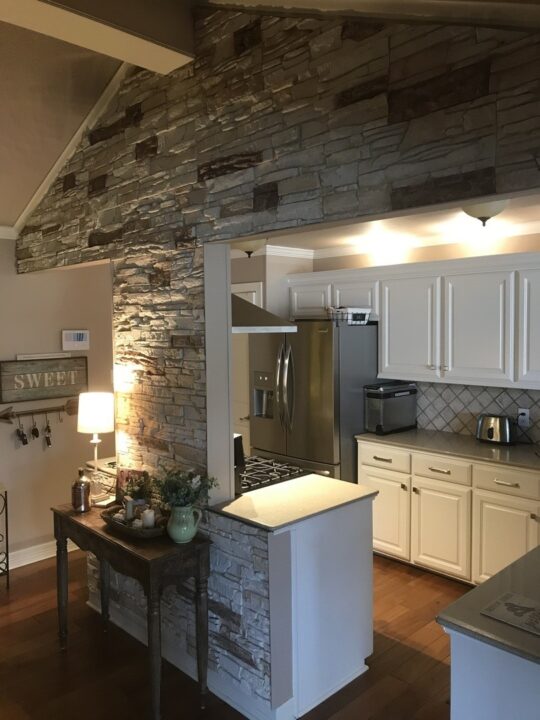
278 122
239 606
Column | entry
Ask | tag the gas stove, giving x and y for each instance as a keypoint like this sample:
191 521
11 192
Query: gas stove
260 472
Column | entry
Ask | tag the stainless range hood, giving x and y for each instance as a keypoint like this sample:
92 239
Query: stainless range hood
249 318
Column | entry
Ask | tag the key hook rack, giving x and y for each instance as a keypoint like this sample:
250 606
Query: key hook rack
9 415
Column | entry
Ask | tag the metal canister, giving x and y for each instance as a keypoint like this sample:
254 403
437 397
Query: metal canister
80 493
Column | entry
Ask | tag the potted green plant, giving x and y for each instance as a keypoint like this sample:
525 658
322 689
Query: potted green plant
139 487
185 492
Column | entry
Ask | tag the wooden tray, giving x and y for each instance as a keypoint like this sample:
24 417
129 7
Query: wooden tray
128 530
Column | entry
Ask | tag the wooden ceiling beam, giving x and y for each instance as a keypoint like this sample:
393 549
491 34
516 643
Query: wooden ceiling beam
511 14
156 35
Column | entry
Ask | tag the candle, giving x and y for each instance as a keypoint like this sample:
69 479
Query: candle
130 507
148 518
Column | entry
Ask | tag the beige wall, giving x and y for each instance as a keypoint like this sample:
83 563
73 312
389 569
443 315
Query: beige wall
529 243
246 269
33 311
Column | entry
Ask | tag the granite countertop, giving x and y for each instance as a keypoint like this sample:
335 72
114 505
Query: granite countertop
522 578
286 503
463 446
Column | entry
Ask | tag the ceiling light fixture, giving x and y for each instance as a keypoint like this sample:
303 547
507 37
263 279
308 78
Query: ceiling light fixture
249 246
486 210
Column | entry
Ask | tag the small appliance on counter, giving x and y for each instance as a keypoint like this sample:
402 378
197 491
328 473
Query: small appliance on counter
390 407
499 429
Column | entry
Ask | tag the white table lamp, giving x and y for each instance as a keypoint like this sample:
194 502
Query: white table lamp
96 415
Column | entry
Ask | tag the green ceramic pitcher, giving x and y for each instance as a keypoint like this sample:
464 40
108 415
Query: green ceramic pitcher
183 523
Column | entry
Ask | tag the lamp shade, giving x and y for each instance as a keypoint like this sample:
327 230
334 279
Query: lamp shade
96 413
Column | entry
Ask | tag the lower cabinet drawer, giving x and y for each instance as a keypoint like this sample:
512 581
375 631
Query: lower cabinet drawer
511 481
383 456
440 467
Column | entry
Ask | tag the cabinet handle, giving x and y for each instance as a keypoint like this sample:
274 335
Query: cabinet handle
534 516
506 484
404 487
416 490
438 470
431 367
381 459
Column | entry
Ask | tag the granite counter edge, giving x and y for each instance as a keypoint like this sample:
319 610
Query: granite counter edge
489 638
273 528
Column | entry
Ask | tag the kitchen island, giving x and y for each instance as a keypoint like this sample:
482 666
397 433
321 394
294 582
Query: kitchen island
495 666
320 585
290 597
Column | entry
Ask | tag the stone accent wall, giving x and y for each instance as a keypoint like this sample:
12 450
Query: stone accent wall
455 408
279 122
239 606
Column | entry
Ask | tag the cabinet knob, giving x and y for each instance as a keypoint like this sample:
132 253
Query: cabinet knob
416 490
534 516
404 487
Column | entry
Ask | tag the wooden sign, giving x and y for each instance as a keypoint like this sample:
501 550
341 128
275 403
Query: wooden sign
25 380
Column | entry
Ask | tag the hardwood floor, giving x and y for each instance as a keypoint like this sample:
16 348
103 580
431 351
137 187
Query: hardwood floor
104 676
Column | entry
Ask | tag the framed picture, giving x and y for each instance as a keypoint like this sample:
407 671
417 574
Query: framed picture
24 380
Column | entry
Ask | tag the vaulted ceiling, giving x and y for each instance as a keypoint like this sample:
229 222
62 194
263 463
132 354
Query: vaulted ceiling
47 87
58 57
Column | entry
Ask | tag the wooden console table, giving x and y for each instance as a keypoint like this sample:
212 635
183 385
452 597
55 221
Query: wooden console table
155 563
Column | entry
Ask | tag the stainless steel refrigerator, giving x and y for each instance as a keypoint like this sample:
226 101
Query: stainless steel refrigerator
307 396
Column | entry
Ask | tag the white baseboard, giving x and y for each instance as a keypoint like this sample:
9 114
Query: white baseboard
35 553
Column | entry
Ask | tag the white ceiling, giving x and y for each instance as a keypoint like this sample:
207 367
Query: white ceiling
521 217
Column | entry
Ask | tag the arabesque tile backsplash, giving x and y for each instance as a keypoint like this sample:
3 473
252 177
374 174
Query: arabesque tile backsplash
455 408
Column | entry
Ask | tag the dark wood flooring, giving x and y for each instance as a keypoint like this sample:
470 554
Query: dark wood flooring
104 676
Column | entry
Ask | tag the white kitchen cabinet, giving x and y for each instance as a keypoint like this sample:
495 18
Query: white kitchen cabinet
504 529
441 526
479 328
308 300
410 328
391 510
357 293
529 328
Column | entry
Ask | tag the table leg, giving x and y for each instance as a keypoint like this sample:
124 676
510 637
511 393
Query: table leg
105 587
62 585
154 649
201 597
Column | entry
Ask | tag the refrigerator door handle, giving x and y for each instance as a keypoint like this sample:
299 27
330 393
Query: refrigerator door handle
288 371
279 385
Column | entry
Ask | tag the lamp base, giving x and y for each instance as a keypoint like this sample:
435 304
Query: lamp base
95 442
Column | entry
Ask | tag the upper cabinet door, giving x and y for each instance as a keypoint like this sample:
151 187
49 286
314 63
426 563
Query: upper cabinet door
308 300
357 293
479 328
529 328
410 328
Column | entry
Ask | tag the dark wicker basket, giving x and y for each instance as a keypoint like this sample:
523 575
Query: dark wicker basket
128 530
